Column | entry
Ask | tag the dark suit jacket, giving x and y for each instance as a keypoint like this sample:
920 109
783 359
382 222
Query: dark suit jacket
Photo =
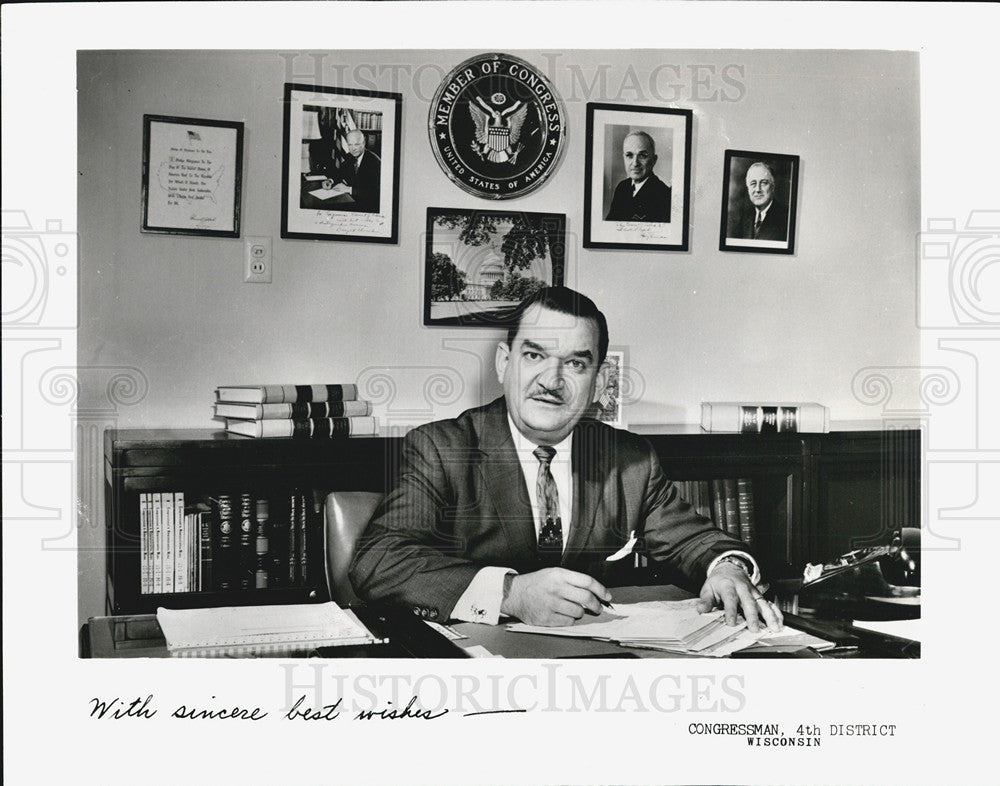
774 226
462 504
652 203
365 183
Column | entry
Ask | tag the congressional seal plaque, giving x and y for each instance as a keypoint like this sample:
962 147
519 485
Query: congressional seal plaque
497 127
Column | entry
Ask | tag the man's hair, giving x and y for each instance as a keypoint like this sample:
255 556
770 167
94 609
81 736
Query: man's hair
644 135
766 166
565 301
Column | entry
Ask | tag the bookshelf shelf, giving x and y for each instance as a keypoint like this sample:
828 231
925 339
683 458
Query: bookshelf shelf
814 495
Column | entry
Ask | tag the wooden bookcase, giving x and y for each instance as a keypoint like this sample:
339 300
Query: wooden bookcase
202 463
815 495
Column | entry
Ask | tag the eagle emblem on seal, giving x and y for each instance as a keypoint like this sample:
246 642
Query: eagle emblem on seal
498 131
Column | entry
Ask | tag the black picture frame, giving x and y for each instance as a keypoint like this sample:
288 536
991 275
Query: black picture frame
738 213
192 176
470 253
326 193
612 217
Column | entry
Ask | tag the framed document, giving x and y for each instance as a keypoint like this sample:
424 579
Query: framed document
191 176
480 264
759 192
340 164
638 173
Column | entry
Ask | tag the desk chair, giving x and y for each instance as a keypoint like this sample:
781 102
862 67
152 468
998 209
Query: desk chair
347 513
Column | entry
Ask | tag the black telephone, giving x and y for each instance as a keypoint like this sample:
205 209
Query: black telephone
882 582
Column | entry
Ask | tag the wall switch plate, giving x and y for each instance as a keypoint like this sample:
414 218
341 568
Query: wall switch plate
257 260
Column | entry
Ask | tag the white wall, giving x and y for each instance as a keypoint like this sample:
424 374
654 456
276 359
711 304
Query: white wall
172 313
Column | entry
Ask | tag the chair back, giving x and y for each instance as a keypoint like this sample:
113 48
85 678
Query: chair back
347 513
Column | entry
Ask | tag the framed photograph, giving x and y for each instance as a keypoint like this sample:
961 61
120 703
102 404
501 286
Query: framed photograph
759 192
340 164
192 174
479 264
637 191
608 407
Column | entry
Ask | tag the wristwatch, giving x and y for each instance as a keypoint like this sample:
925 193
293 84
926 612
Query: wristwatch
739 562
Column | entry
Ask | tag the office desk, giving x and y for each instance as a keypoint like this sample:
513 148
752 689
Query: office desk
139 636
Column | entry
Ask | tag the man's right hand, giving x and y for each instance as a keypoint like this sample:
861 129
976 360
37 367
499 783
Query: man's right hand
553 597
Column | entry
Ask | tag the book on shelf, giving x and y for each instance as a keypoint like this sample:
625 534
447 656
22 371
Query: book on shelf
262 544
299 410
314 428
719 504
223 542
748 525
730 506
180 537
749 418
270 394
231 631
245 558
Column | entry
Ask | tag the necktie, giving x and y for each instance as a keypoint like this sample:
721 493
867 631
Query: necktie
756 226
550 539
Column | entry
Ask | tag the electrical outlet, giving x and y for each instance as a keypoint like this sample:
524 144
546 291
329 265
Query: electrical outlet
257 260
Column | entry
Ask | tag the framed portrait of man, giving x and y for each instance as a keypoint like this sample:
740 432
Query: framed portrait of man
340 164
759 192
638 174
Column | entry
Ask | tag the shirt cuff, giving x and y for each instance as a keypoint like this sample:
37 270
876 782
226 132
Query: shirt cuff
482 598
754 577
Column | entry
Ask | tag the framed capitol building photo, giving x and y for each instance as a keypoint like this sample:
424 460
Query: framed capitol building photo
637 179
479 264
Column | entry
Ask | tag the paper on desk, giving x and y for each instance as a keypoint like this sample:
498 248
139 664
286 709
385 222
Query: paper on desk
326 193
674 626
319 624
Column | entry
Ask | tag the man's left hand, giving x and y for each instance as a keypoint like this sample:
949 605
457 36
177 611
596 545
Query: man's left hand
730 587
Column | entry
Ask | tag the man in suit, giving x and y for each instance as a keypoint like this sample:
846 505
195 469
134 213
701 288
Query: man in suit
363 173
641 196
513 508
765 218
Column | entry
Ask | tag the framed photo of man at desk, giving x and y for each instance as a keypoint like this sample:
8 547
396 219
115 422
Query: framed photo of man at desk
340 164
636 192
759 192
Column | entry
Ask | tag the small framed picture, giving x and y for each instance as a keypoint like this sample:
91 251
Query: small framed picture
340 164
759 193
479 264
192 174
608 407
637 191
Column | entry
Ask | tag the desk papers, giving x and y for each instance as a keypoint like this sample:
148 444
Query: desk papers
672 626
235 631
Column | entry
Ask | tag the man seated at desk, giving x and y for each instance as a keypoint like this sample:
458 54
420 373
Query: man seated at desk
361 173
513 508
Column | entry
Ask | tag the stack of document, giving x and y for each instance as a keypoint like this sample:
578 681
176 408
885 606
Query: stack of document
672 626
242 631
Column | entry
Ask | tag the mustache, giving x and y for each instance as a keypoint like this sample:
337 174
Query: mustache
545 392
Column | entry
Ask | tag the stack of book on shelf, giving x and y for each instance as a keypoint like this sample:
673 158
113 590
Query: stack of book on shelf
729 502
226 542
748 418
319 411
235 631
